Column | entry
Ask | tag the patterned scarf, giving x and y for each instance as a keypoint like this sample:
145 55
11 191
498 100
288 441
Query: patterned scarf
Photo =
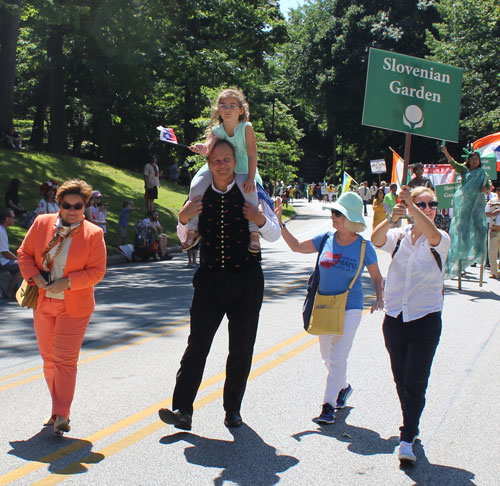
62 233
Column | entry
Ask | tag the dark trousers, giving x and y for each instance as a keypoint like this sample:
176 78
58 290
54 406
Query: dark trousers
411 346
239 296
365 207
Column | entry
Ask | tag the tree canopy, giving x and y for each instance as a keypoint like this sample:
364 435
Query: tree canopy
95 77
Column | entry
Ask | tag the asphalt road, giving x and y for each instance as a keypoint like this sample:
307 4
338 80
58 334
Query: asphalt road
127 371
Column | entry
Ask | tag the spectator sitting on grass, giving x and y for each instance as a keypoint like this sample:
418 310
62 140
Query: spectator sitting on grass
123 222
12 198
13 139
153 225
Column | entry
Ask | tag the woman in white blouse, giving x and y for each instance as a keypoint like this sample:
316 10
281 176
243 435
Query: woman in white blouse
48 204
414 301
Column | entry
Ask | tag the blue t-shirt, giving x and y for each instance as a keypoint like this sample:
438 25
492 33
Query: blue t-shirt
123 221
337 266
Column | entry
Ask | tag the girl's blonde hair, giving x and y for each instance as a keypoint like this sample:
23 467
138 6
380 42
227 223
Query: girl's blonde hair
215 119
421 190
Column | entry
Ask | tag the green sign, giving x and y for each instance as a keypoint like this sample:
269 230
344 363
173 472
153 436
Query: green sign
412 95
489 164
445 193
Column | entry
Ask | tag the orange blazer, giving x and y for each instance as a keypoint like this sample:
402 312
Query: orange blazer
85 266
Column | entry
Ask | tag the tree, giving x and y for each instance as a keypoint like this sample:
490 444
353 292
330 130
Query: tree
468 37
9 30
326 61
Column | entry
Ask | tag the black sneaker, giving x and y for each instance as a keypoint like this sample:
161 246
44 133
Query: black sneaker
177 418
344 394
327 415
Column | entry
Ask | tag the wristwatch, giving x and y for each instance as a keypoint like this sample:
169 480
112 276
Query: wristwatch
390 220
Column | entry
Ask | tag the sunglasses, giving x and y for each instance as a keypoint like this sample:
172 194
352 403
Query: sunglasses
336 213
76 206
423 205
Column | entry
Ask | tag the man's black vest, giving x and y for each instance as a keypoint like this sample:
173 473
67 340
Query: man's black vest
224 232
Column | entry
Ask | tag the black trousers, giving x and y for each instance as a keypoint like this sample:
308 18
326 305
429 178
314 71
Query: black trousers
239 296
411 346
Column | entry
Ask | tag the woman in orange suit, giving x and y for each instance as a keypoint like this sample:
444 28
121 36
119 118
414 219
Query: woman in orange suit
65 256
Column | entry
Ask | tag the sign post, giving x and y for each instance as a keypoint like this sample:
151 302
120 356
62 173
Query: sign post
412 95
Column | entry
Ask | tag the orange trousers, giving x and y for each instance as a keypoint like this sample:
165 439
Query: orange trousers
59 338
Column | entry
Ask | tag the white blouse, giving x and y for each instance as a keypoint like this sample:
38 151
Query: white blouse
414 281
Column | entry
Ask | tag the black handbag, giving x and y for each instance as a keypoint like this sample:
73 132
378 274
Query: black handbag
312 287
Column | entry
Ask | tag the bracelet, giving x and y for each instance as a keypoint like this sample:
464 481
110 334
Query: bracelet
283 225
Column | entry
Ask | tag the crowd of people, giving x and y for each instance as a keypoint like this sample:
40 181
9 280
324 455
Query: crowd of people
226 214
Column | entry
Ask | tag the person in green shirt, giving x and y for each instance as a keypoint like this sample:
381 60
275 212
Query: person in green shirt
390 199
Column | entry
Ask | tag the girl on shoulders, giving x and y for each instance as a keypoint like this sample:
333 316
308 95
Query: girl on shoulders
229 121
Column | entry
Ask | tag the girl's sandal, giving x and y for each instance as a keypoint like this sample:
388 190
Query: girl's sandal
254 246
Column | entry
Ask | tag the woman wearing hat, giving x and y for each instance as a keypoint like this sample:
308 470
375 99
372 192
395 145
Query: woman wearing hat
338 263
48 204
468 228
414 300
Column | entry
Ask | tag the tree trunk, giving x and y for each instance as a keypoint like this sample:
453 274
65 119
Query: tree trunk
9 31
57 133
37 129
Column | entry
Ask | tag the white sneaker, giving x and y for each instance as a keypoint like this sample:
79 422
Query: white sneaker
405 452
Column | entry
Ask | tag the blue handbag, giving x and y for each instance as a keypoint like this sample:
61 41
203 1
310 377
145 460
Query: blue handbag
312 287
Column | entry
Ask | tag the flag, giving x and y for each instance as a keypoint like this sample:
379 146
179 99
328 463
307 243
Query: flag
397 169
167 134
439 173
489 146
346 182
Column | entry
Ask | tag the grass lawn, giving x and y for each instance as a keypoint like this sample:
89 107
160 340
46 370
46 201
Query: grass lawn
117 185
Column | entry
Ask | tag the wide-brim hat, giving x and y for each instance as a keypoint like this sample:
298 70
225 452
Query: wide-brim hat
350 205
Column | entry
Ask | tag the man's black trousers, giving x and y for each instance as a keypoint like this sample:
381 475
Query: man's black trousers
239 296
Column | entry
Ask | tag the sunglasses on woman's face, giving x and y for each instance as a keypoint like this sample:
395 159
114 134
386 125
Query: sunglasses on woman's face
423 205
336 213
76 206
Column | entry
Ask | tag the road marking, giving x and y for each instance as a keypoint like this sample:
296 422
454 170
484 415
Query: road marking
131 420
61 475
271 293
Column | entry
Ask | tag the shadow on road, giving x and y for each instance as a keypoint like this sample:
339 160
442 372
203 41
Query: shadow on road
426 474
56 451
361 441
368 442
247 460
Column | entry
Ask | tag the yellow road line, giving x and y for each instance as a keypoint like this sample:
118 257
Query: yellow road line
122 424
39 376
59 476
103 346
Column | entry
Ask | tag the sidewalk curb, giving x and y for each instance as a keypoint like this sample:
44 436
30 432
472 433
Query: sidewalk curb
119 258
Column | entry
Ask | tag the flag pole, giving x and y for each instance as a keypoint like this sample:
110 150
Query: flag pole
406 161
176 143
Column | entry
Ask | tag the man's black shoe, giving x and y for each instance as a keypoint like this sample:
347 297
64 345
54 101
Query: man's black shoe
177 418
233 419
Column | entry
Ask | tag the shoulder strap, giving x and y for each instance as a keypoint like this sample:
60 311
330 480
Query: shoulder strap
360 266
397 245
437 257
320 249
435 254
